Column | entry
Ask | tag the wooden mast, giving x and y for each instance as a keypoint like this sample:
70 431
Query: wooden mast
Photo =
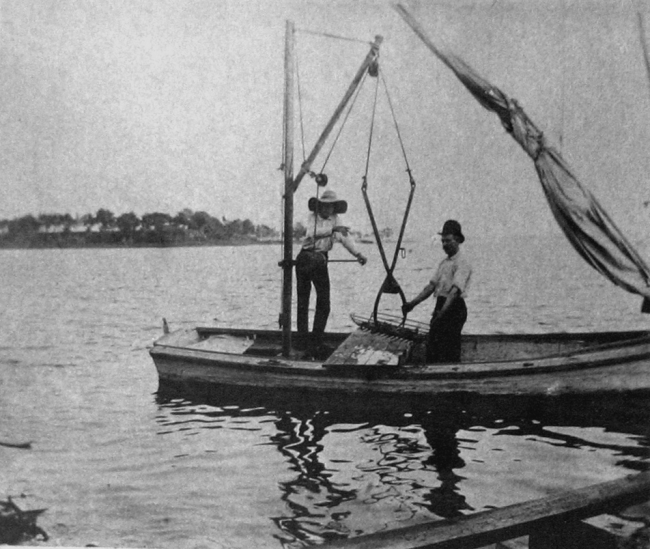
287 263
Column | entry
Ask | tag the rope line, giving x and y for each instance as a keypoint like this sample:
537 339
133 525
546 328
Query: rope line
372 128
392 112
335 36
284 134
390 284
408 170
364 185
302 127
345 119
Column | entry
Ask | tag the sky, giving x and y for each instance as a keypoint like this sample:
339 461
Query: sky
161 105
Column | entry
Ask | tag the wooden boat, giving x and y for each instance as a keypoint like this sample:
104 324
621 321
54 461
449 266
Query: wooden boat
374 361
385 354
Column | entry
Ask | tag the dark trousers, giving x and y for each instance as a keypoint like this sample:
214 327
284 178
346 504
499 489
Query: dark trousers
444 337
311 268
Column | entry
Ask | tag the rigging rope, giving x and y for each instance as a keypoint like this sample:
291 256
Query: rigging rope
331 150
345 119
408 170
392 112
390 284
334 142
335 36
302 127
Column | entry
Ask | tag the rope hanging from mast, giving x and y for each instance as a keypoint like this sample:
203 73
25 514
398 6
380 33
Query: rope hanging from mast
321 177
345 119
390 284
302 126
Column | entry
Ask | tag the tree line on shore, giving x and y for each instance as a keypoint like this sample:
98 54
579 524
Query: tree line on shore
104 228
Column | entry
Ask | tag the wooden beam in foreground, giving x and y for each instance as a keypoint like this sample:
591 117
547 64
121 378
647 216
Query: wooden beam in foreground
481 529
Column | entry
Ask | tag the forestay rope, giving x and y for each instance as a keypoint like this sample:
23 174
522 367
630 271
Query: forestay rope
335 36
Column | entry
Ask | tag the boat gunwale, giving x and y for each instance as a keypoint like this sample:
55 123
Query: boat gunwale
623 335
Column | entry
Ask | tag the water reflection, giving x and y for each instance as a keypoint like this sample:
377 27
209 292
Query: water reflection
361 466
311 493
445 500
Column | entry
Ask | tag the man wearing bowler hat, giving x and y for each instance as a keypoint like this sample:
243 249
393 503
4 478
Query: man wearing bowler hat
449 284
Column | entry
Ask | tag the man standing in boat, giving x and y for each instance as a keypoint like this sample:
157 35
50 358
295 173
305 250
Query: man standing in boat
449 284
323 230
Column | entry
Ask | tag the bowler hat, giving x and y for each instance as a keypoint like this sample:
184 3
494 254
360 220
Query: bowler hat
452 227
328 197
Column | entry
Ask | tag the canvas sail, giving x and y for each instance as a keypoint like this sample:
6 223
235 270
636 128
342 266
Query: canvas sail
582 219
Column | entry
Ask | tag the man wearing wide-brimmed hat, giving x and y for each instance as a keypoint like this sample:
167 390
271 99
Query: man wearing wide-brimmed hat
324 228
449 284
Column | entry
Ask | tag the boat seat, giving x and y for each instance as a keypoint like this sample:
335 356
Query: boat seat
366 348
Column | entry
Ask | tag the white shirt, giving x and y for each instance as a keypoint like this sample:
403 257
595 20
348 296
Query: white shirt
452 271
321 235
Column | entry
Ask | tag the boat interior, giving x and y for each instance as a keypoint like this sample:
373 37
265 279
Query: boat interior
391 345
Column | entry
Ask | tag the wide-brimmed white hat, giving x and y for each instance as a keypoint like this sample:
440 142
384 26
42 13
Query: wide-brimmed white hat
328 197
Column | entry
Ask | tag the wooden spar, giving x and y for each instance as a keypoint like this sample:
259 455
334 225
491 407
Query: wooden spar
419 31
529 518
287 264
372 56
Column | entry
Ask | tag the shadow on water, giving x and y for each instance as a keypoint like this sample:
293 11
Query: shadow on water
417 462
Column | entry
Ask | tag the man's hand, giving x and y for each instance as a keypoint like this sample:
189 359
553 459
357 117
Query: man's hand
362 259
407 307
435 318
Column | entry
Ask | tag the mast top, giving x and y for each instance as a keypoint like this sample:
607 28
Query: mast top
369 60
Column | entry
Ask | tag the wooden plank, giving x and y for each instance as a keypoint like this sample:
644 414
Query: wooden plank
517 543
363 347
224 343
264 347
481 529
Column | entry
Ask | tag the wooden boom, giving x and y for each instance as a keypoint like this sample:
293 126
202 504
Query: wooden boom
306 166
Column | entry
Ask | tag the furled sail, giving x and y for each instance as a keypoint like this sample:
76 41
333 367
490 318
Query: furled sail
584 222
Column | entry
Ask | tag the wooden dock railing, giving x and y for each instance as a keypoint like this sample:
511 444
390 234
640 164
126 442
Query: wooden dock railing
549 523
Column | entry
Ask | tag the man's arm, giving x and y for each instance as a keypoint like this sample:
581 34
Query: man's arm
424 294
342 235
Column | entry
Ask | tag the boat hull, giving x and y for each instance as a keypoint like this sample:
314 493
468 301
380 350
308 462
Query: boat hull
585 365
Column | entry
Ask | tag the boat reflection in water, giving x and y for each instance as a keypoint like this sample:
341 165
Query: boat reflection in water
357 467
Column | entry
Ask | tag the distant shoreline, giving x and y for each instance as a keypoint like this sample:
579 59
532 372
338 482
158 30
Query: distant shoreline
90 245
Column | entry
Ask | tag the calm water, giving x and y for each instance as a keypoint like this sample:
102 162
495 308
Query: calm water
115 463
